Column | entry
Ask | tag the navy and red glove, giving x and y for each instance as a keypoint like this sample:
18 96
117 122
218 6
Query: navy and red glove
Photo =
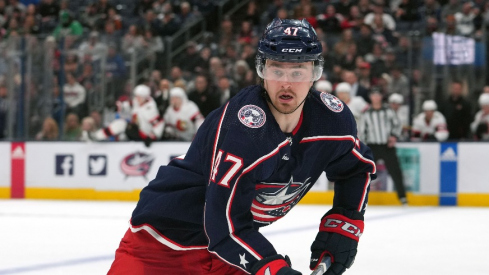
274 265
338 236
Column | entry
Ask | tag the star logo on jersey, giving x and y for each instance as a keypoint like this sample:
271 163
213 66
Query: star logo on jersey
332 102
242 260
252 116
275 200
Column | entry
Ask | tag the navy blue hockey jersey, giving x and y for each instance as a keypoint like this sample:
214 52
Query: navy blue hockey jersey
242 172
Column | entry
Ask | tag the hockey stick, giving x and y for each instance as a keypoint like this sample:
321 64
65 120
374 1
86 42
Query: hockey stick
323 266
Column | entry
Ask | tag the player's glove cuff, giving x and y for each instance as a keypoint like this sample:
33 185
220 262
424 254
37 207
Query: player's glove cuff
274 265
347 223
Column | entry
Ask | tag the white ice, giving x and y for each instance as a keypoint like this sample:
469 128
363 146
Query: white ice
80 237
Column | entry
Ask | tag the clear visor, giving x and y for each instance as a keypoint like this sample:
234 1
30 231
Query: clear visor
288 72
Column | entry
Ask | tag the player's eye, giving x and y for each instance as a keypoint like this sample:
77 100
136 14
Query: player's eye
278 73
296 74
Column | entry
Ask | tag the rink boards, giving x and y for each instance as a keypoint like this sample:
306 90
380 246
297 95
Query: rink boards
434 173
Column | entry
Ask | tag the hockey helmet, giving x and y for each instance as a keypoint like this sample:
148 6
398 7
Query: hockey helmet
289 40
429 105
323 86
484 99
343 87
396 98
142 91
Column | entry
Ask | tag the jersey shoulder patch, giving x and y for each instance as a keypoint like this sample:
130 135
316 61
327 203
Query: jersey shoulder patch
252 116
332 102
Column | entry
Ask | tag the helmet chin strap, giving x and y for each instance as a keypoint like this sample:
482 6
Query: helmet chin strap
267 97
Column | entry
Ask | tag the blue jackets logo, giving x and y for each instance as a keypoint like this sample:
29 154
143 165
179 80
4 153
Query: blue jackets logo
65 165
136 164
97 165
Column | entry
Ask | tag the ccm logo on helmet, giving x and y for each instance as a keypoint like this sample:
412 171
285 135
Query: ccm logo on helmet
291 50
345 226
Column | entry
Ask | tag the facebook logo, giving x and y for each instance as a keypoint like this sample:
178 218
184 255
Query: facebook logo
97 165
65 165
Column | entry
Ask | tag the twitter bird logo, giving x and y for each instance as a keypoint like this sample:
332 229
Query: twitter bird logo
97 165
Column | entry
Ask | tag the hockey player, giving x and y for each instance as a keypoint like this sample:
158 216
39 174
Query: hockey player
430 125
480 125
145 123
250 163
183 117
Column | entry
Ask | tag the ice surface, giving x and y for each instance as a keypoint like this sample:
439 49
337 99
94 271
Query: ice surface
80 237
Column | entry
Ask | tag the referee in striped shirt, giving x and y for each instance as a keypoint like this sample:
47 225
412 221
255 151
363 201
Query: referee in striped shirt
380 128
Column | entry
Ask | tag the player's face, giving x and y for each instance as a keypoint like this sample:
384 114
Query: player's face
287 84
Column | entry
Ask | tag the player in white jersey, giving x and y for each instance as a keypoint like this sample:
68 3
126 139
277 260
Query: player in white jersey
402 111
144 125
183 117
430 124
357 104
480 125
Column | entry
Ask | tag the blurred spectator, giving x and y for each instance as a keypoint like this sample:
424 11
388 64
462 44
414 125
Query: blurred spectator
186 14
380 129
356 89
465 20
102 7
142 6
67 26
353 20
458 112
49 131
240 72
170 24
226 91
182 118
110 34
356 104
364 7
407 15
151 22
330 21
162 96
97 118
4 109
381 34
87 76
480 125
402 111
154 81
306 11
74 96
451 8
114 17
349 59
72 128
365 78
14 5
376 60
246 33
386 19
71 64
252 13
132 40
146 124
204 95
88 129
343 7
91 19
323 86
191 61
431 8
115 72
176 74
365 40
49 10
342 46
399 83
430 125
273 8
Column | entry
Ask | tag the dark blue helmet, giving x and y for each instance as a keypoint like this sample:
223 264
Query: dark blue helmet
288 40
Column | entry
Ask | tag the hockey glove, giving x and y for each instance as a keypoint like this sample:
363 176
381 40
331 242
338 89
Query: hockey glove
338 237
274 265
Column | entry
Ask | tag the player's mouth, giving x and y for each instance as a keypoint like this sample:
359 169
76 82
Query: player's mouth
285 98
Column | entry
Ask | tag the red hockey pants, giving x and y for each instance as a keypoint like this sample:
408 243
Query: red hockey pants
141 254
